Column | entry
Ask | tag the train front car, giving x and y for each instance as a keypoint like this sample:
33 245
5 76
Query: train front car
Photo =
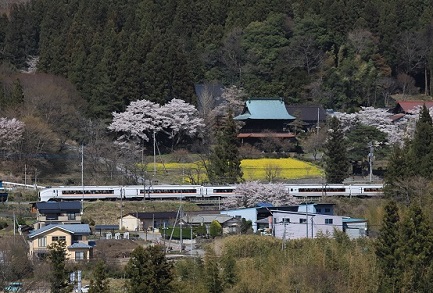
66 193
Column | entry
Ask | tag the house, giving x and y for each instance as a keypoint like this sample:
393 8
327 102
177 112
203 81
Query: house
141 221
311 116
296 225
408 107
57 213
264 118
74 235
260 216
230 224
355 228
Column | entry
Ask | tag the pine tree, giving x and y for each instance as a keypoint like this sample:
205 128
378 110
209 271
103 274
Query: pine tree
59 274
225 164
336 161
387 246
99 282
396 170
229 270
415 250
213 278
421 150
149 271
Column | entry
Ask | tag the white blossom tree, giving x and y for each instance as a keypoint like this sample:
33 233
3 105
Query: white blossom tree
180 119
142 118
11 133
139 121
249 194
380 118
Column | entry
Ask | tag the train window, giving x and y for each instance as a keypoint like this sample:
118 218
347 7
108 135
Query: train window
224 190
372 189
88 191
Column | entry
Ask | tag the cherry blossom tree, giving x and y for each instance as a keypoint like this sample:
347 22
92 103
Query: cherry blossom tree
11 133
142 118
396 130
249 194
139 121
180 119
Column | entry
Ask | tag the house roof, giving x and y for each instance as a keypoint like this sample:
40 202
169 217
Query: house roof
307 112
407 106
79 245
353 220
208 218
52 207
265 109
78 229
106 227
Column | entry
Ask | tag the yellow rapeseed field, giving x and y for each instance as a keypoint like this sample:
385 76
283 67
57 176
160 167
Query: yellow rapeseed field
254 169
284 168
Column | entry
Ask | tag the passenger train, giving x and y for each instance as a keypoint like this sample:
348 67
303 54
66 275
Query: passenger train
197 192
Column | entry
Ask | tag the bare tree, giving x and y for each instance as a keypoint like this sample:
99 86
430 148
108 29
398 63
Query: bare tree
272 172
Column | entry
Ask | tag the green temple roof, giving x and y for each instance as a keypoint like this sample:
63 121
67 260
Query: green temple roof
265 109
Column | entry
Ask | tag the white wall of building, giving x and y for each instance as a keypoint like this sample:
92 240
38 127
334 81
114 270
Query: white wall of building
291 225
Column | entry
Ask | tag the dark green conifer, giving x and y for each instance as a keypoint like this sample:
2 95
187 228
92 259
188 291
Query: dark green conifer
387 250
59 278
99 282
336 161
415 248
225 164
149 271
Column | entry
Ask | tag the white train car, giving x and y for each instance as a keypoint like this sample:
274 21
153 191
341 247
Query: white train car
161 192
80 193
343 190
196 192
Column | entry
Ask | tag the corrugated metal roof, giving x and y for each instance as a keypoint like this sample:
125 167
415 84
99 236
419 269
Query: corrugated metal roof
79 245
80 229
265 109
408 106
53 207
353 220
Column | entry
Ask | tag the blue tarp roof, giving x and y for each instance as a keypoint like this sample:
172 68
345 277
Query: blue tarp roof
265 109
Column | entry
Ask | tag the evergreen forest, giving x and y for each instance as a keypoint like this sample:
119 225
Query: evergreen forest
340 54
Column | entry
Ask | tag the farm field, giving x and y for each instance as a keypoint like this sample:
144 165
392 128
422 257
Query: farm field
263 169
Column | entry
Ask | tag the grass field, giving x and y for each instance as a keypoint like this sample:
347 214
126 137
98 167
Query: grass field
264 169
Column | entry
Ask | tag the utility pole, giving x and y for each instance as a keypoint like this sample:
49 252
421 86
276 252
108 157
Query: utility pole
82 178
370 159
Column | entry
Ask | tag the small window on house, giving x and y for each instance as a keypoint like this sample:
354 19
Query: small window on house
329 221
58 238
77 237
79 255
42 242
302 221
285 220
71 217
318 210
327 210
